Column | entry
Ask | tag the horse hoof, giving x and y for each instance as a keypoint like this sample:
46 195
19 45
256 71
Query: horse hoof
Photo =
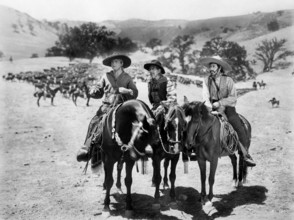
105 214
173 205
119 190
155 206
208 204
234 184
165 186
129 213
240 184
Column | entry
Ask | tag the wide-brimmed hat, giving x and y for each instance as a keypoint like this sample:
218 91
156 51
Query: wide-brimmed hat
126 60
154 63
215 59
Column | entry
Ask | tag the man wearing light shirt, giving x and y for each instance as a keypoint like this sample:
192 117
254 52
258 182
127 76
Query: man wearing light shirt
219 94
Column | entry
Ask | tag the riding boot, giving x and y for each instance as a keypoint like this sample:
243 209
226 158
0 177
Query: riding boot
84 152
247 158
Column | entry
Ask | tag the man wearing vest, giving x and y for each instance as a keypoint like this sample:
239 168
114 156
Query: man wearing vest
160 89
117 87
219 94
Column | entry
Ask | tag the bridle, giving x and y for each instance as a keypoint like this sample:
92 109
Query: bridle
199 123
171 116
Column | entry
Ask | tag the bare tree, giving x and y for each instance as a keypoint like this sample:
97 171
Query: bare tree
270 51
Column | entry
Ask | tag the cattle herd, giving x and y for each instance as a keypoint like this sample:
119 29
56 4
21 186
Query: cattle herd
75 80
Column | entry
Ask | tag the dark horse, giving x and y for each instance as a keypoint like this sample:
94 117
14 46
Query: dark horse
275 102
171 127
203 134
81 92
128 129
261 84
50 93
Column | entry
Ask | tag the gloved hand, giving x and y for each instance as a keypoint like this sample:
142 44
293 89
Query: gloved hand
215 105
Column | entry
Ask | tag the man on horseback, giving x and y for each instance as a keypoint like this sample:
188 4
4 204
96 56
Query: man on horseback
219 94
160 89
117 87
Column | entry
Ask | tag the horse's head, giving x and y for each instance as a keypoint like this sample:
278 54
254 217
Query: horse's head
175 128
195 113
136 124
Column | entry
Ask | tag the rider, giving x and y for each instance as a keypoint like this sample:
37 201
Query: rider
161 90
116 86
219 93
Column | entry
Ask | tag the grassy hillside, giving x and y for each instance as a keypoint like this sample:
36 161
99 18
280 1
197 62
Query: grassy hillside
22 35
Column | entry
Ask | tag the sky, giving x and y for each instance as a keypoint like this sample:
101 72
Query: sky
100 10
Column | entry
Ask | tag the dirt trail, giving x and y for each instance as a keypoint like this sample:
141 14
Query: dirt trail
40 178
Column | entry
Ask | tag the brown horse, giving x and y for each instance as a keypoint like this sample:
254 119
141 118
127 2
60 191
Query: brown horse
171 128
50 93
128 129
203 134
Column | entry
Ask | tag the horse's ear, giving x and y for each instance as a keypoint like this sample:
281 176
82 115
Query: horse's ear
186 101
204 109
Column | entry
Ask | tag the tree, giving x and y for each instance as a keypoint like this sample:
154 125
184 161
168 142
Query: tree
273 25
153 43
86 41
95 40
125 45
180 47
270 51
54 51
233 53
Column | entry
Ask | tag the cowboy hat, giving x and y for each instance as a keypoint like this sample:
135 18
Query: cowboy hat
154 63
216 59
126 60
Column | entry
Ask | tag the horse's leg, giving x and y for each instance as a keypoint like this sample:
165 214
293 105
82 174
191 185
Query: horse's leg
234 164
202 166
213 166
156 179
165 180
118 182
38 100
52 100
242 166
88 99
74 99
172 176
108 182
128 182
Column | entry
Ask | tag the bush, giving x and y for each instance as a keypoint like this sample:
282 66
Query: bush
34 55
273 25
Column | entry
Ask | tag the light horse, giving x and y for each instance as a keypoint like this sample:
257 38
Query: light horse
50 93
82 92
128 129
203 134
171 128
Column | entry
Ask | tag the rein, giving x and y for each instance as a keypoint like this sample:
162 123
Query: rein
115 135
168 118
206 132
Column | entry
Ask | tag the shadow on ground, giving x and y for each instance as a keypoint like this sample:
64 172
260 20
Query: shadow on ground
191 205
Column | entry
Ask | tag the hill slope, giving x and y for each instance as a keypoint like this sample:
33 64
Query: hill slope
22 35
